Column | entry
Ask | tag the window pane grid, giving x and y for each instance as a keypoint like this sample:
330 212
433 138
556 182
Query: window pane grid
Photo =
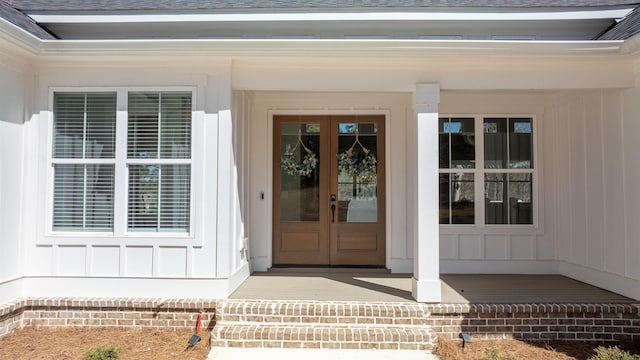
506 170
84 162
159 161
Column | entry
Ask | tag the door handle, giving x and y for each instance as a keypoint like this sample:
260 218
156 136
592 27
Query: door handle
333 213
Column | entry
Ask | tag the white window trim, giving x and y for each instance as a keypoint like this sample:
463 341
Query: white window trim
478 173
121 179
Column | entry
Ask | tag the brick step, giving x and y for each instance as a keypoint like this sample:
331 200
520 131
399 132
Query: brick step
321 324
383 337
321 312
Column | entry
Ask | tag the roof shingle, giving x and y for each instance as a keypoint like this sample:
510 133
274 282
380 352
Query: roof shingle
97 5
23 21
625 29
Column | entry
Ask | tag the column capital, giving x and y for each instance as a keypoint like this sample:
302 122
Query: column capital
426 97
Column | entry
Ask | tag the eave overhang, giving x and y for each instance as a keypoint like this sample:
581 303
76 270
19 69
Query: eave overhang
324 47
30 45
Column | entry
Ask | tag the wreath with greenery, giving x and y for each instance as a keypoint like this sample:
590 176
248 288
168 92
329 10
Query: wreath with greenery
354 164
290 164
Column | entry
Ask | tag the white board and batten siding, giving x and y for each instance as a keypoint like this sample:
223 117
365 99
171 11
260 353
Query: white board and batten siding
13 100
595 171
208 262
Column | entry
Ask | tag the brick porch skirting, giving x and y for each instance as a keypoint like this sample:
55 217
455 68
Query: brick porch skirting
334 324
102 312
569 322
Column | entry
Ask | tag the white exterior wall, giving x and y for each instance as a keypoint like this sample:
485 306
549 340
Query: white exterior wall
595 170
207 264
14 98
586 164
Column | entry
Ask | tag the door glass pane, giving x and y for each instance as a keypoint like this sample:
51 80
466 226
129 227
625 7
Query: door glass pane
357 173
299 172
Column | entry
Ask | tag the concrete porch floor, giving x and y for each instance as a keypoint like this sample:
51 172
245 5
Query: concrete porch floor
374 285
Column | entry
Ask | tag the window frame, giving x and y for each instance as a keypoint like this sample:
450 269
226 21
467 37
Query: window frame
479 171
121 167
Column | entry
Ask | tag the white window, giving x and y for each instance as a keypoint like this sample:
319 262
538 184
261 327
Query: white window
497 151
151 167
83 161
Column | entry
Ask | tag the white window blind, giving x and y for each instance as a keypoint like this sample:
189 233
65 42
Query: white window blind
83 161
159 161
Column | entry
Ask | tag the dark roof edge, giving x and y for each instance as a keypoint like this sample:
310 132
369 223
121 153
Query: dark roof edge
628 27
23 21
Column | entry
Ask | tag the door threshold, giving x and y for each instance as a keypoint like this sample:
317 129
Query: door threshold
282 268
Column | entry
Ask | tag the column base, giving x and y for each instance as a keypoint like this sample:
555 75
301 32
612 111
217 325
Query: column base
428 291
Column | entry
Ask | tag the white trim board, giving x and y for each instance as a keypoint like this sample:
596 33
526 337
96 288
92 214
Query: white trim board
622 285
334 16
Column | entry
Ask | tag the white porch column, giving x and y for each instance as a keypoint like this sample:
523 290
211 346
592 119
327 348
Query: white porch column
426 255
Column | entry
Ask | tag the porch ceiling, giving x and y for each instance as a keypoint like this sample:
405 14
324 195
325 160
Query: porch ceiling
380 286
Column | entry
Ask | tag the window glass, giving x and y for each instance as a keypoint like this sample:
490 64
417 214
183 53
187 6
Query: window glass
457 198
83 197
159 127
84 125
508 143
83 190
495 143
520 144
357 185
508 198
300 193
159 198
457 143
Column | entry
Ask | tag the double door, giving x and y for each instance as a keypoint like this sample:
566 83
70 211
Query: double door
328 188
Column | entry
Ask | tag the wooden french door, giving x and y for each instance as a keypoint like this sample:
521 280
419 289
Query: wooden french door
328 186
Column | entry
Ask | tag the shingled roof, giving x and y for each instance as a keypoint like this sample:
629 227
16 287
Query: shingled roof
625 29
84 5
23 21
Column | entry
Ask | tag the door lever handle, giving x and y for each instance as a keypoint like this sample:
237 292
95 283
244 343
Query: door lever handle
333 213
